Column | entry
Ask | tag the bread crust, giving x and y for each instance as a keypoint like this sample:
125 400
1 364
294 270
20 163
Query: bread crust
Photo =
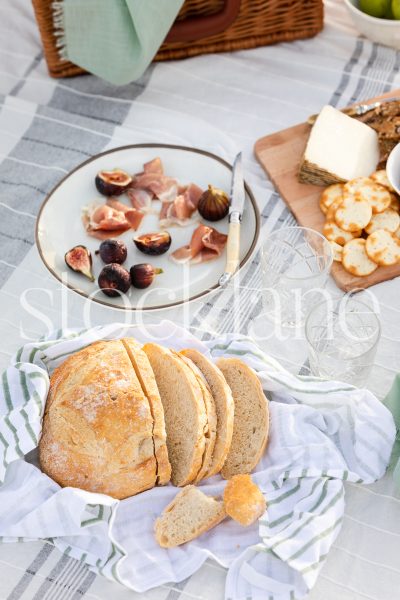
224 405
97 426
145 374
243 500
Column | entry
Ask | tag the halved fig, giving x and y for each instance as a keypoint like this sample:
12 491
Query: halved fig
153 243
79 260
113 183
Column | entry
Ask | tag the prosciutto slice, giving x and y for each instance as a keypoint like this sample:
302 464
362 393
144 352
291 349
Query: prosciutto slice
134 216
161 186
140 199
154 166
181 210
206 244
102 220
153 182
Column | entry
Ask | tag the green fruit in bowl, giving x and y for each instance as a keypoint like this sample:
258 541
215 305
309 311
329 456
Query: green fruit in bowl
389 13
376 8
395 9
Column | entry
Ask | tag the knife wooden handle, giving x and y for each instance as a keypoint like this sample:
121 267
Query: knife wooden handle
233 248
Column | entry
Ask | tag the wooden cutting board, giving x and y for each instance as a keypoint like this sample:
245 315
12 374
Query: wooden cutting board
280 154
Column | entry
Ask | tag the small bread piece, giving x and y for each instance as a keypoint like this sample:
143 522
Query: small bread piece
378 196
145 375
184 411
337 251
353 214
251 422
329 195
354 185
223 404
389 220
210 431
382 178
383 248
243 500
335 234
190 514
355 259
394 202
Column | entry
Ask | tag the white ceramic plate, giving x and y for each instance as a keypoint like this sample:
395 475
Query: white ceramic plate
59 227
393 168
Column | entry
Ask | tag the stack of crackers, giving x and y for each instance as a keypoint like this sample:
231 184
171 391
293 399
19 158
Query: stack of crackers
363 223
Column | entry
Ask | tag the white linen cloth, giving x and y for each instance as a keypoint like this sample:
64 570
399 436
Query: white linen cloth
221 103
322 434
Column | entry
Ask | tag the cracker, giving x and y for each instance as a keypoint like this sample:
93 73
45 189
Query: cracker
352 186
394 202
330 213
329 195
382 178
389 220
355 259
333 233
337 251
378 196
353 214
383 248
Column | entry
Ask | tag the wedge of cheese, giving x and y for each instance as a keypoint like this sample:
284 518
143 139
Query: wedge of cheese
339 148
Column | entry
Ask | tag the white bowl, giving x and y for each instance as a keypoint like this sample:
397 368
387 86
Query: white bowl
382 31
393 168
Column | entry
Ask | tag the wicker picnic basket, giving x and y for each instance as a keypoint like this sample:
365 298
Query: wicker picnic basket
205 26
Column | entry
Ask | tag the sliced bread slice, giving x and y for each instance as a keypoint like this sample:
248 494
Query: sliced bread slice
210 430
251 422
184 412
190 514
224 406
145 375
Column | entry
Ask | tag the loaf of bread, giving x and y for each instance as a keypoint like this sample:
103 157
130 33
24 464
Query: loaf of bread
243 500
251 421
98 425
190 514
121 418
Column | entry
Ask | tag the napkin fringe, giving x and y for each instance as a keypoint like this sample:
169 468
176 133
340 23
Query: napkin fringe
59 29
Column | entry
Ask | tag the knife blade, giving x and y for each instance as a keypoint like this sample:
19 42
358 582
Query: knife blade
237 198
358 109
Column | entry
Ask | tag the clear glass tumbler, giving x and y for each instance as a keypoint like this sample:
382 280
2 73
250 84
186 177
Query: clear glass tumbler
295 263
342 337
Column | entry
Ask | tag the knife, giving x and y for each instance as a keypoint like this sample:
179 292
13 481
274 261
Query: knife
358 109
237 198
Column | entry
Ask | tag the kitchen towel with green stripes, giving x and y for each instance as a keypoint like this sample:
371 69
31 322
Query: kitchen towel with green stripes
322 434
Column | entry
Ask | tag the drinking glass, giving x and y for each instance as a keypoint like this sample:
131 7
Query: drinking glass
342 337
295 263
